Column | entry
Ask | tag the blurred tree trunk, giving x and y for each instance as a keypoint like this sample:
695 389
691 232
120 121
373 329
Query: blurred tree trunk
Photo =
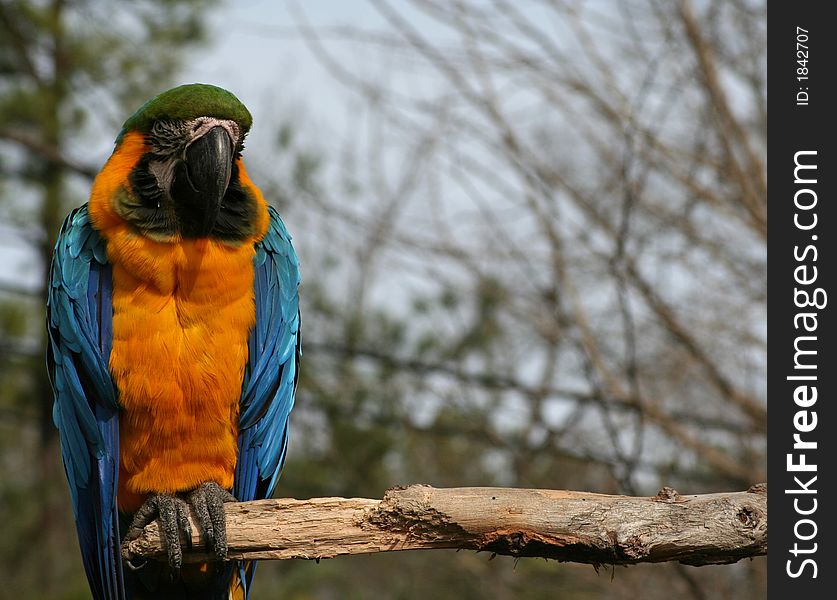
54 522
53 196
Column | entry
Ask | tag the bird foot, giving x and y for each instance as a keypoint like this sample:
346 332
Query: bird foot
207 501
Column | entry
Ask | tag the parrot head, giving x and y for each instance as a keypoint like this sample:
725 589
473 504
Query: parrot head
187 181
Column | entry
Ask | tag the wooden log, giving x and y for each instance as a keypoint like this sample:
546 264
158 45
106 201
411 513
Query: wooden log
563 525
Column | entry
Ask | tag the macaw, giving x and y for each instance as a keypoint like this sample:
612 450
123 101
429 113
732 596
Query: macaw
174 345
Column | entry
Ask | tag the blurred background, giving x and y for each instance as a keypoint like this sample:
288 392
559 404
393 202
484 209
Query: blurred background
533 246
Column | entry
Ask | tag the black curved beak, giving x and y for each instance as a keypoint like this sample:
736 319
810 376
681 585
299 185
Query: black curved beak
201 180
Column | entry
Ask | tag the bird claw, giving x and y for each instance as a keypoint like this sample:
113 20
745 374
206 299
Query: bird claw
207 501
173 513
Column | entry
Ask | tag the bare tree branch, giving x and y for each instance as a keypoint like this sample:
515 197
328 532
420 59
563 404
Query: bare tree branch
568 526
602 198
622 402
46 151
753 181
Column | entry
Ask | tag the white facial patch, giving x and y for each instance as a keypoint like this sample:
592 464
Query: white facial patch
202 125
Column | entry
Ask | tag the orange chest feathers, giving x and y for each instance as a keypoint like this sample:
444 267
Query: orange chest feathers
181 317
182 313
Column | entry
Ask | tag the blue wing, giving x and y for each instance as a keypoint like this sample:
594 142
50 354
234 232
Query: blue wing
271 374
79 316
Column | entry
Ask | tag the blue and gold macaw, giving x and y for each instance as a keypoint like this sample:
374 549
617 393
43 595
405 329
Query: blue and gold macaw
173 319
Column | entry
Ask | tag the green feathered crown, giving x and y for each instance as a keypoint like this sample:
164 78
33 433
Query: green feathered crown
188 102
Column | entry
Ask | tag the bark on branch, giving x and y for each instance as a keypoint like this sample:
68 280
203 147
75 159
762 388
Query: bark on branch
563 525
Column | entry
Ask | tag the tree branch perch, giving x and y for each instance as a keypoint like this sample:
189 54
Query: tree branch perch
568 526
